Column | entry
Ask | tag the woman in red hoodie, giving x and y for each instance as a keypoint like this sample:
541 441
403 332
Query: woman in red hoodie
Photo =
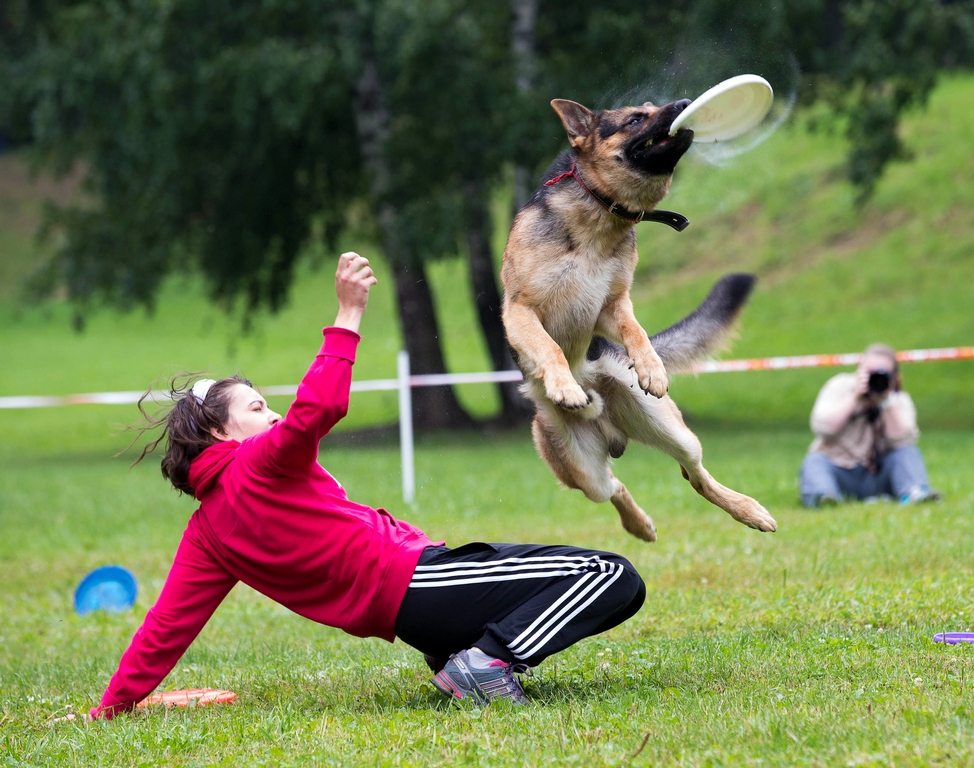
272 517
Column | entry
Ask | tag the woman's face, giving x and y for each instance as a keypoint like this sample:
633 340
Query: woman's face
248 415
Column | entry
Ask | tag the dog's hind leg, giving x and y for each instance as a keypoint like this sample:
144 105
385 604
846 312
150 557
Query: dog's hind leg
742 508
633 518
661 425
578 454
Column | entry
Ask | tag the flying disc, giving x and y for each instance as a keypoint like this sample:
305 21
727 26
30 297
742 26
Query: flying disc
109 588
729 109
952 638
189 697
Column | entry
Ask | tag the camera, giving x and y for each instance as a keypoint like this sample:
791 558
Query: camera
879 381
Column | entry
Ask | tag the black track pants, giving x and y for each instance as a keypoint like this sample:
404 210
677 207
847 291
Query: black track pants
517 602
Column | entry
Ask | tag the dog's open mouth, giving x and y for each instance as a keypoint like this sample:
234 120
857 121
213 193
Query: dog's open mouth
656 152
658 141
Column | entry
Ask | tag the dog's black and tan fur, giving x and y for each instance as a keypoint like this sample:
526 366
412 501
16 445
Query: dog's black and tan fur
567 271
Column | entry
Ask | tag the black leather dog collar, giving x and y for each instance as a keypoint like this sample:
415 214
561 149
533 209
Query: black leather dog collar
677 221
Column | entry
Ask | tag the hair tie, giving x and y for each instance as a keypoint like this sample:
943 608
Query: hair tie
200 388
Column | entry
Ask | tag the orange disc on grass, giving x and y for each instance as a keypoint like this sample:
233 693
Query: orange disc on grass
189 697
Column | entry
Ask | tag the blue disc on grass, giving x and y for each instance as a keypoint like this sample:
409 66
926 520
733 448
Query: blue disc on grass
110 588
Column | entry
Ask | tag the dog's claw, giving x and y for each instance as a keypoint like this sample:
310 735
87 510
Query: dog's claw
651 375
768 525
588 401
655 389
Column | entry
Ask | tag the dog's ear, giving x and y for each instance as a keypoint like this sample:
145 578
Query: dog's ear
579 121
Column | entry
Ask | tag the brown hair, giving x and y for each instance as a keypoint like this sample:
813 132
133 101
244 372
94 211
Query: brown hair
187 426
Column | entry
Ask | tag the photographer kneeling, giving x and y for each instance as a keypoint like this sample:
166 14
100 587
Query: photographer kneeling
865 438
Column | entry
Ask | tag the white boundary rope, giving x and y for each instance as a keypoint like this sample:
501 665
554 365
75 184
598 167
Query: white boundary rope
404 383
819 361
488 377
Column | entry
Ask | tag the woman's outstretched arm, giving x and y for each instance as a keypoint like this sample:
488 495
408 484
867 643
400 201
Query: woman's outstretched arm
322 397
194 588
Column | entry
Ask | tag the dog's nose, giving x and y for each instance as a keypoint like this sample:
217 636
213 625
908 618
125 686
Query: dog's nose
682 104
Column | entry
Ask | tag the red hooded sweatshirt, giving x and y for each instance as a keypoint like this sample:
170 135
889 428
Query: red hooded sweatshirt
272 517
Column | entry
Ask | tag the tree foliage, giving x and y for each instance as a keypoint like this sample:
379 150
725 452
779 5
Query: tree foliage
213 131
875 59
224 137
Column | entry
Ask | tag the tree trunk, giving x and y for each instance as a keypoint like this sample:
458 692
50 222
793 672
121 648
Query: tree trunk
487 300
433 407
523 55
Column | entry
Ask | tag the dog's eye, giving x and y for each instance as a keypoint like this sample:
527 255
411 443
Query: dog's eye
636 120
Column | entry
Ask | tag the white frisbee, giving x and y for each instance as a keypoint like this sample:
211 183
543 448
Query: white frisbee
729 109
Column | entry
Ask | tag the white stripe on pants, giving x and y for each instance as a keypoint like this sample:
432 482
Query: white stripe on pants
522 601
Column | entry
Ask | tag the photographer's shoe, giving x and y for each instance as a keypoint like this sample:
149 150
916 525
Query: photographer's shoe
480 685
919 495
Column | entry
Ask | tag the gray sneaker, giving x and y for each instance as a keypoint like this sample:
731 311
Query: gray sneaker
481 686
919 495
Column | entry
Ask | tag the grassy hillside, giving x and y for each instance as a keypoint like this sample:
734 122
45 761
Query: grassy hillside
832 279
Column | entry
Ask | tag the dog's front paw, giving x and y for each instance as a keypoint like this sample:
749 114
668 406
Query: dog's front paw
652 376
567 394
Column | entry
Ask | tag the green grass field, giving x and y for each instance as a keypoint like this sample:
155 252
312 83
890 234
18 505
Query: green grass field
811 646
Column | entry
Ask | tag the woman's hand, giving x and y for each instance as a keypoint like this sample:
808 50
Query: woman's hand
353 280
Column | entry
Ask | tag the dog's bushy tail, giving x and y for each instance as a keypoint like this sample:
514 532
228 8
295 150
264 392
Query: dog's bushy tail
707 329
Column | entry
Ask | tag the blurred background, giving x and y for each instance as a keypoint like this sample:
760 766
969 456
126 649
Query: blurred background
178 177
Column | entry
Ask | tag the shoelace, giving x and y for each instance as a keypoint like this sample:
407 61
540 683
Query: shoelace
504 686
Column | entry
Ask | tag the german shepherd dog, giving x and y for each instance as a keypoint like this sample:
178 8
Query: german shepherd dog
567 270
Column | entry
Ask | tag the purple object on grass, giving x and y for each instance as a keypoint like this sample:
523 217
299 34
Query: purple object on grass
952 638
